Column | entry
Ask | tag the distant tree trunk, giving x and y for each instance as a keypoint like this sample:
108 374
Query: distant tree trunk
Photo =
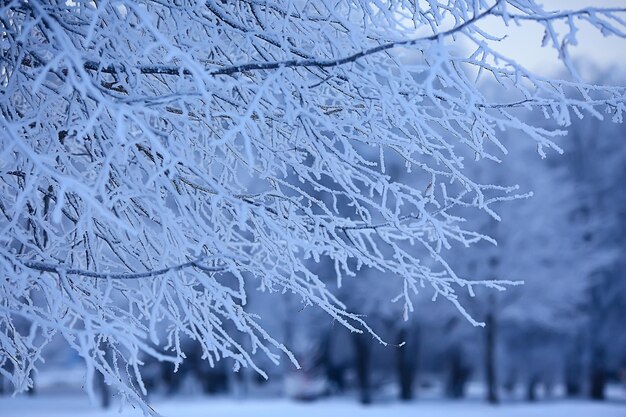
334 370
510 382
213 380
458 373
103 390
101 387
572 384
597 374
531 388
573 369
335 373
598 336
548 385
242 383
490 358
406 362
363 368
32 391
233 382
5 385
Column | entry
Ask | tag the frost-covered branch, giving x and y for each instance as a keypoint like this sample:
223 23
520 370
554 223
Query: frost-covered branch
59 269
294 63
158 162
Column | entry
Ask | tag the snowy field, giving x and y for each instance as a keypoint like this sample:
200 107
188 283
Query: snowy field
72 406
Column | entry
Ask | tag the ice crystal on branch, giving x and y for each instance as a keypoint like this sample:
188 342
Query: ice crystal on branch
159 159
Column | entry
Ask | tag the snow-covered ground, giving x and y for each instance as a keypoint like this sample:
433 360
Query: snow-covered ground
59 394
73 406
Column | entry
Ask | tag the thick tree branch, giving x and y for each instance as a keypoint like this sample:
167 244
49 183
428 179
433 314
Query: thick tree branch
565 14
292 63
174 70
61 269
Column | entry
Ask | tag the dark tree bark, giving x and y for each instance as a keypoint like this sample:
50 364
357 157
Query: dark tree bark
363 367
335 371
5 386
510 382
573 369
406 363
572 385
32 390
490 358
531 388
104 391
458 373
101 387
598 335
597 375
214 381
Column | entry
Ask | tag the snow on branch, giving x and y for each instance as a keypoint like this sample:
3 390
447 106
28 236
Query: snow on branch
161 161
59 269
294 63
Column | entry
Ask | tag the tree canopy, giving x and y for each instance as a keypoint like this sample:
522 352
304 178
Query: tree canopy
159 160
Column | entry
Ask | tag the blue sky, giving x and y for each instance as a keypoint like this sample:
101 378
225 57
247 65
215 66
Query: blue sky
593 52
